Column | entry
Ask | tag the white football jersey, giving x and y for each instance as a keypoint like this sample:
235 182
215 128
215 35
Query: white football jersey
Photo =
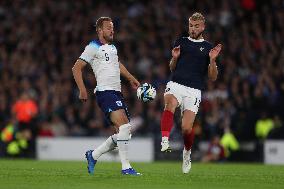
104 62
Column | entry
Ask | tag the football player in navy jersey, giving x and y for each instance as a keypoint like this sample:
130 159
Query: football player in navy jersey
193 61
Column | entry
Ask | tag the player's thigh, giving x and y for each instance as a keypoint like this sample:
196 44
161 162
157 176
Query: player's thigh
188 118
171 102
173 96
119 117
189 109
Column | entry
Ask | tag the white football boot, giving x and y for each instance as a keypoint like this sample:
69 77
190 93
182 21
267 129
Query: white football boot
165 145
186 163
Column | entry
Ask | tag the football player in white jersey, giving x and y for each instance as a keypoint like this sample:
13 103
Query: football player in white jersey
101 54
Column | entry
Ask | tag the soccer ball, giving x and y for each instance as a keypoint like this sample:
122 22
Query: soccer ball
146 92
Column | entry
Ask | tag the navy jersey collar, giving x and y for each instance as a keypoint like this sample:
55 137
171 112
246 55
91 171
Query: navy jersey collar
98 42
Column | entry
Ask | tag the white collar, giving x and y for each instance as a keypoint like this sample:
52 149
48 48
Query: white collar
196 40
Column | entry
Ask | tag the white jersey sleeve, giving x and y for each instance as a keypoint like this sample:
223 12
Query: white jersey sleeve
89 53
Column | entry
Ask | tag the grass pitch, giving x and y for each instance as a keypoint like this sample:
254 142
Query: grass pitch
30 174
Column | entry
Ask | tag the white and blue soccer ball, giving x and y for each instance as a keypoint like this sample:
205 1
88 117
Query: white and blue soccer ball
146 92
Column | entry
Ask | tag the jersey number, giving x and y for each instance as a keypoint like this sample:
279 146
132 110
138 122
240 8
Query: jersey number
195 103
107 57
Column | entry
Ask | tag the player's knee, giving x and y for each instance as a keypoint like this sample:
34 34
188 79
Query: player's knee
186 130
121 120
186 127
171 105
125 120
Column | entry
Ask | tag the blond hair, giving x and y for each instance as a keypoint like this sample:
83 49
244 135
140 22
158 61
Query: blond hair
197 16
100 21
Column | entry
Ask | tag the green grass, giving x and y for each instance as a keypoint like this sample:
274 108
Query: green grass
29 174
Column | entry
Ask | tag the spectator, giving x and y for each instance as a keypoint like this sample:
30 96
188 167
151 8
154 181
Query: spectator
215 151
263 126
25 110
229 142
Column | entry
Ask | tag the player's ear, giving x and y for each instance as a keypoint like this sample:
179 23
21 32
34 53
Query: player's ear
99 30
203 28
203 25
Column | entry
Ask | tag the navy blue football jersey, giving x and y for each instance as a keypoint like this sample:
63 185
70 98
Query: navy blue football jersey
192 65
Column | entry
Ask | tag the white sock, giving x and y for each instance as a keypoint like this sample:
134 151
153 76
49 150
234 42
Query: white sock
123 137
105 147
165 138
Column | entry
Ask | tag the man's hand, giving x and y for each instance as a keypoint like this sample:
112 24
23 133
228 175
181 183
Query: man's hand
134 84
83 95
212 68
176 52
215 52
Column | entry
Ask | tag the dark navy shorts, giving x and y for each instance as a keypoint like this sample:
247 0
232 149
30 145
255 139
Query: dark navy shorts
110 101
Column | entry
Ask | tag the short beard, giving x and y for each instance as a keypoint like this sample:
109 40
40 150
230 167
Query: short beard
108 39
197 35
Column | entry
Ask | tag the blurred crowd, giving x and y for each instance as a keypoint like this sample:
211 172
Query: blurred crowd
41 40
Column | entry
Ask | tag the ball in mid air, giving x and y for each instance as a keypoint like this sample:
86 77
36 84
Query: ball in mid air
146 92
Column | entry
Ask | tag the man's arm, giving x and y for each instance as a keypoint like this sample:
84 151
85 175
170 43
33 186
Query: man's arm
175 56
173 64
212 70
124 72
77 74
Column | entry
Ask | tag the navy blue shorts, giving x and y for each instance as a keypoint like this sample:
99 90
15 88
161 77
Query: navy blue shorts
110 101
